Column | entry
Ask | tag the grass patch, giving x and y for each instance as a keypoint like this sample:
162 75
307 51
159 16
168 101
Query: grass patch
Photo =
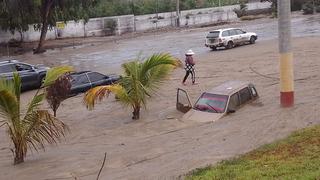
295 157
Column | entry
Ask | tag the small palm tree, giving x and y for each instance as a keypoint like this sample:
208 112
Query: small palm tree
30 127
141 79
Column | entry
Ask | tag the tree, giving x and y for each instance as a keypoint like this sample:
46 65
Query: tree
13 16
296 5
51 11
18 14
58 92
140 80
33 126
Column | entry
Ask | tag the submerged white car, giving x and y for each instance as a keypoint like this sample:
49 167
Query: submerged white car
229 38
216 103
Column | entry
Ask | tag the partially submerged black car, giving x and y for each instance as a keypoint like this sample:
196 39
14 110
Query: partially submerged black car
85 80
31 75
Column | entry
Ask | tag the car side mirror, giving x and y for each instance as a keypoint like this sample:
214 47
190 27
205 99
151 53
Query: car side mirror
231 111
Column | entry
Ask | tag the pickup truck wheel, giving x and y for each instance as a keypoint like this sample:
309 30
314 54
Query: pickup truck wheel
213 48
229 45
252 40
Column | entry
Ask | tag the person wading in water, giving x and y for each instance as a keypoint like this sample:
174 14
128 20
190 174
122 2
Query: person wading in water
189 67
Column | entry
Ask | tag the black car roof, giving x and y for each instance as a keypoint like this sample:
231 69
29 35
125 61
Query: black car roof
80 72
8 61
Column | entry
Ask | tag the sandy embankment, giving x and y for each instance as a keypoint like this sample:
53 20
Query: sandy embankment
158 147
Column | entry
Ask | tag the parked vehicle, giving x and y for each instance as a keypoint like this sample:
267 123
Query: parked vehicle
229 38
216 103
85 80
31 76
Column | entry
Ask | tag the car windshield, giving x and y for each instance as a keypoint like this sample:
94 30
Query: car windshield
212 103
213 34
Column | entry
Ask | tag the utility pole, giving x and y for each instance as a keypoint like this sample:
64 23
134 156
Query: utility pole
157 10
134 18
286 57
8 50
178 12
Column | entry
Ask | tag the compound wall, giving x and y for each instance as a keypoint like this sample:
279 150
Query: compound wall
118 25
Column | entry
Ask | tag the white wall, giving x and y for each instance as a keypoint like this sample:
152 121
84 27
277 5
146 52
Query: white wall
258 5
71 29
131 23
30 35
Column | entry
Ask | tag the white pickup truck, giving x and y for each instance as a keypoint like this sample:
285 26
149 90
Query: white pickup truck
229 38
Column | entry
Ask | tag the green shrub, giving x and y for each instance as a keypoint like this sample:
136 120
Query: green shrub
296 5
242 11
110 25
308 8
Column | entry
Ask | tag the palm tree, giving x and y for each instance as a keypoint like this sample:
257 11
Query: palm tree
33 126
141 79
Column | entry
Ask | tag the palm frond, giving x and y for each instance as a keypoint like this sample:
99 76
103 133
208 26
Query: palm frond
35 102
38 126
7 85
9 106
156 77
42 127
156 69
141 78
17 85
156 60
130 68
4 123
54 73
100 92
144 77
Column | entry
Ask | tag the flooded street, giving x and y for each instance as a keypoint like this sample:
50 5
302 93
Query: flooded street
115 53
161 145
108 56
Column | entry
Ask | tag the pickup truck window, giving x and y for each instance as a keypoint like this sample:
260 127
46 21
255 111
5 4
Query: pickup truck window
213 34
96 76
239 31
80 79
233 32
234 102
6 68
225 33
23 67
245 95
213 103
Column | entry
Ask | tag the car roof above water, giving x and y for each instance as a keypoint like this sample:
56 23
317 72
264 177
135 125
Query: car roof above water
220 30
223 29
8 61
229 87
79 73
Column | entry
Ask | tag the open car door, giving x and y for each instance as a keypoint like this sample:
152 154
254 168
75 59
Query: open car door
183 103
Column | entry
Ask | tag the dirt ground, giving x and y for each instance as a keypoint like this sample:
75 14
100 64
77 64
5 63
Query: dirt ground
162 146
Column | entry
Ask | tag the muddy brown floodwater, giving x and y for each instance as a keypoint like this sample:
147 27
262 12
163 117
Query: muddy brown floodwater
160 145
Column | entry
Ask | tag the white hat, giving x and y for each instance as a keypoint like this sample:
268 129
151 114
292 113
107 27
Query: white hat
190 52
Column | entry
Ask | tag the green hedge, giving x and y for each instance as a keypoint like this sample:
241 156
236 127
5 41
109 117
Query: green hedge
140 7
